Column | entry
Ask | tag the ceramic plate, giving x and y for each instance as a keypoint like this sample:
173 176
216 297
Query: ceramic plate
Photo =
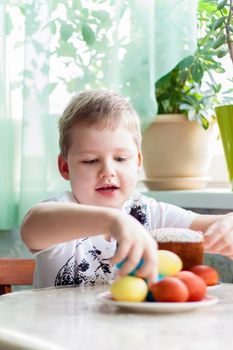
214 287
105 298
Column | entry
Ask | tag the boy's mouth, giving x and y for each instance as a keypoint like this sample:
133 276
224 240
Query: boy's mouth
107 189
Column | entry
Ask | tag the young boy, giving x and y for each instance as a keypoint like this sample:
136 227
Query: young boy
78 237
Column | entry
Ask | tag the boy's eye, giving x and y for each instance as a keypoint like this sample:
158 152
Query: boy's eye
91 161
120 159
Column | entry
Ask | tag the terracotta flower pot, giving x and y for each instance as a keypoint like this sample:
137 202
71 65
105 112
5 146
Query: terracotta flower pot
177 153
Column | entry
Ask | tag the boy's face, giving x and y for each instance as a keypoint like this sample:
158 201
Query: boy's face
101 165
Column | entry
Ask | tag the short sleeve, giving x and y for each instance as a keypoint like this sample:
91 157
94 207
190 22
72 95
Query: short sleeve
168 215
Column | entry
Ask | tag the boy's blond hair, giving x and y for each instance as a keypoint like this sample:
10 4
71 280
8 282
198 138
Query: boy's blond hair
103 108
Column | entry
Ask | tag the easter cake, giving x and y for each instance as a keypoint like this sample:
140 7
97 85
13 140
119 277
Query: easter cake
186 243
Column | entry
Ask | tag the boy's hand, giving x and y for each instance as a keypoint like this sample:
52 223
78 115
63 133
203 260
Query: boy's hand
134 243
218 238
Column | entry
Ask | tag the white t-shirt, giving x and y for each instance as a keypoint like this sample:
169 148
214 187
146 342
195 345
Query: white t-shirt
86 260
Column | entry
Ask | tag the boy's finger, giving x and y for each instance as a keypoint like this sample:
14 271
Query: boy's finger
216 246
132 261
146 270
217 241
210 240
150 264
153 278
121 253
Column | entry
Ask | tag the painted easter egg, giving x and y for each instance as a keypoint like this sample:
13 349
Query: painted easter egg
132 273
169 264
129 288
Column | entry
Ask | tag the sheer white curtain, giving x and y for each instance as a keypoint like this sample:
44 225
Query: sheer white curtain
52 49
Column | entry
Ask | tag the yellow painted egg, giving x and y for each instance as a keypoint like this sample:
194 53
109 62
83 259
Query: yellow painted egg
169 263
129 288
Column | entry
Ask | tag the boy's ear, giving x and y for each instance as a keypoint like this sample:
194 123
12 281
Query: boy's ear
63 167
139 159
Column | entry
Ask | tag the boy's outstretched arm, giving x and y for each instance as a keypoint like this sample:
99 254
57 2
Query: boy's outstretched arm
218 232
48 224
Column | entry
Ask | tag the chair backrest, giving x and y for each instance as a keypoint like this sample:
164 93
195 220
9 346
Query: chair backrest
15 272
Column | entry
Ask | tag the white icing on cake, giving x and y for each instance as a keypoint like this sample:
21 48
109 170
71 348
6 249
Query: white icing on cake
176 235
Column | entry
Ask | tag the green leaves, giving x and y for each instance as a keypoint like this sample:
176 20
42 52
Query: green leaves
73 85
190 87
65 49
221 53
204 122
197 72
216 21
183 89
217 88
102 16
186 62
219 41
49 88
221 5
66 31
88 34
219 22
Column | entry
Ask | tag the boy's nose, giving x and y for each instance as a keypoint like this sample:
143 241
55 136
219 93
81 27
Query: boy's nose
107 171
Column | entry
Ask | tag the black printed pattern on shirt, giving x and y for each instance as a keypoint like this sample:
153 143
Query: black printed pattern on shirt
74 273
138 210
102 264
138 213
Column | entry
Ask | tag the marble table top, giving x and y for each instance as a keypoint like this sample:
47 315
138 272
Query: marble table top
72 318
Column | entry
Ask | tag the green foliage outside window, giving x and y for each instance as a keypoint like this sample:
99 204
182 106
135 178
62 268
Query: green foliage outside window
183 89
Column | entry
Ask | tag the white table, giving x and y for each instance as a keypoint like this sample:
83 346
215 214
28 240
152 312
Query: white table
71 318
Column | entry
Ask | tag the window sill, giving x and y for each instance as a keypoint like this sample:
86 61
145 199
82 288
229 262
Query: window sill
210 198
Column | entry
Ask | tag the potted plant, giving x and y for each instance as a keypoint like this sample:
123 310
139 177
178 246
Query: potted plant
177 145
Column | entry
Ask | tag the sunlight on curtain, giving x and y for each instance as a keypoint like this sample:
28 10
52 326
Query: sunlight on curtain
49 51
175 33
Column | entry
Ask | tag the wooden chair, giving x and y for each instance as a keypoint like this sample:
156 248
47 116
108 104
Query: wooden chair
15 272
